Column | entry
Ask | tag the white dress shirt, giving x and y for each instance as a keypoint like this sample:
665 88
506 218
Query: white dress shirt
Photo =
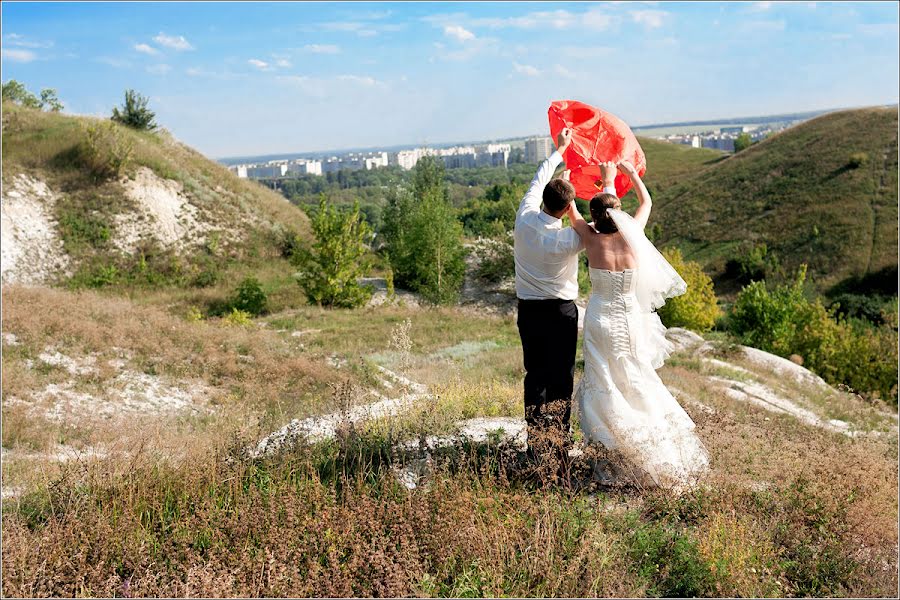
546 253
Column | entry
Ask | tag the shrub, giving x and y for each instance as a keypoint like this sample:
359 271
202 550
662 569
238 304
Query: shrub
104 150
332 267
858 306
784 321
77 230
857 160
753 264
238 318
496 259
696 309
742 142
135 112
249 297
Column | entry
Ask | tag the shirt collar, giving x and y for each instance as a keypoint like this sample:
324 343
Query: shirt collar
550 220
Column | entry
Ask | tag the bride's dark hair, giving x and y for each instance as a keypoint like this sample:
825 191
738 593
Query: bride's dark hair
602 221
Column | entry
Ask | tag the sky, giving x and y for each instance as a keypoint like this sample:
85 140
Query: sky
240 79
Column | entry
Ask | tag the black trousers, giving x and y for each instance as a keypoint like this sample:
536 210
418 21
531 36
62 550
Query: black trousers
549 332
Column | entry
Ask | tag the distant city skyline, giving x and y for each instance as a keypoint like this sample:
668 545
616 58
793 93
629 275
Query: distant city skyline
247 79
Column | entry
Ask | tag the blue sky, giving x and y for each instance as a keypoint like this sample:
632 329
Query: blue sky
242 79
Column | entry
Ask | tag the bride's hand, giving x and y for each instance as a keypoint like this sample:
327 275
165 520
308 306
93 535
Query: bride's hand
627 168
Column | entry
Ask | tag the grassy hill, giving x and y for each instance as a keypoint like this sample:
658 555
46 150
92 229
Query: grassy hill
822 193
134 209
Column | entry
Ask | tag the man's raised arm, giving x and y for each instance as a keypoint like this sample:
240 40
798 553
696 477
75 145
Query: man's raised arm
534 196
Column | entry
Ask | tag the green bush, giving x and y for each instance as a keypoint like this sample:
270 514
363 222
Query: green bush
135 112
698 308
249 297
104 150
331 269
870 308
784 321
857 160
238 318
669 561
753 264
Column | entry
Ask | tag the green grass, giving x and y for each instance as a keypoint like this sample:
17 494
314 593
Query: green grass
802 192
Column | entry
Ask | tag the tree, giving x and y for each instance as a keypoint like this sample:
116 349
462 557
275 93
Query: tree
423 236
15 91
50 101
332 268
742 142
135 112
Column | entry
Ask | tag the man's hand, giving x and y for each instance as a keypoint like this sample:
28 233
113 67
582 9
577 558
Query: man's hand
628 168
572 212
563 139
608 173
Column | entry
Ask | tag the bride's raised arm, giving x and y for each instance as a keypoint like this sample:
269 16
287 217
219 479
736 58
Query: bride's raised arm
643 212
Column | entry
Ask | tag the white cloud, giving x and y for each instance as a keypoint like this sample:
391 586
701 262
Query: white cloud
322 48
360 28
283 63
595 19
259 64
18 55
15 39
564 72
878 29
651 19
582 52
175 42
146 49
360 79
760 6
460 33
117 63
526 70
764 26
160 69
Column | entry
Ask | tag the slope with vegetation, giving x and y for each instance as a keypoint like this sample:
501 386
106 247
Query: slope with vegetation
823 193
131 208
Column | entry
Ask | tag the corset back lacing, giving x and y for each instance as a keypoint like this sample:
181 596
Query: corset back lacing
614 292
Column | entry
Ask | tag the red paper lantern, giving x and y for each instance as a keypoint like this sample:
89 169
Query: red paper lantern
597 136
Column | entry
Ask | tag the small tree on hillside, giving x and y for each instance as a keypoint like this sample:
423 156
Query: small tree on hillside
332 268
742 142
135 112
50 101
16 92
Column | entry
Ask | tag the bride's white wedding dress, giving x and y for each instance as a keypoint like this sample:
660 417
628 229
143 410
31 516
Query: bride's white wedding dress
622 402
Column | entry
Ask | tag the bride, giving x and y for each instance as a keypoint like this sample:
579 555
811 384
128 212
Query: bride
622 401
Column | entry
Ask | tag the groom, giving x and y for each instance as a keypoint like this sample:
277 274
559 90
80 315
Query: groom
546 255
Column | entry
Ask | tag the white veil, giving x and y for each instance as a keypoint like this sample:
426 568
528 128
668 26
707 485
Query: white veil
656 281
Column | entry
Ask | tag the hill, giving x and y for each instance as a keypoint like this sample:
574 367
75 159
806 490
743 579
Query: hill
822 193
87 202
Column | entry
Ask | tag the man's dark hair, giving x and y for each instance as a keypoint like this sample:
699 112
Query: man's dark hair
557 195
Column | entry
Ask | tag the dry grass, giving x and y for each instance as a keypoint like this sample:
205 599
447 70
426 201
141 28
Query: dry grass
175 507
